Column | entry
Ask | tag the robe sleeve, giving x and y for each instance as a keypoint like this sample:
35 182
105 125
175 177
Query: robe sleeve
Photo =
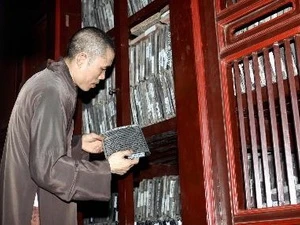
77 152
50 166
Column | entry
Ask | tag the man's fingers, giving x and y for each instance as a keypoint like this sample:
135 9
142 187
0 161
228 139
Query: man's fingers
94 136
126 152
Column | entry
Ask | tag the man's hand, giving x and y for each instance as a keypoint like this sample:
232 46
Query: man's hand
92 143
119 163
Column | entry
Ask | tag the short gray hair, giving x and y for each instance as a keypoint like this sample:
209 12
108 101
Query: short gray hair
91 40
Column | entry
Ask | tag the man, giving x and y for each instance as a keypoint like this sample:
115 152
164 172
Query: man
40 156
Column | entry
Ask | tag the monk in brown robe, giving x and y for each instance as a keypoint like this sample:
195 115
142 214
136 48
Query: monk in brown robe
40 156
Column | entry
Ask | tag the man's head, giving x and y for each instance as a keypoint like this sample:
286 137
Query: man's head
89 54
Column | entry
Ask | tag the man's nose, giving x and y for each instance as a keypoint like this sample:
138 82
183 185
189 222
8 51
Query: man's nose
102 76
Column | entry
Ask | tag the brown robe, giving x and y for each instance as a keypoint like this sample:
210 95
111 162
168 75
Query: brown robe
41 157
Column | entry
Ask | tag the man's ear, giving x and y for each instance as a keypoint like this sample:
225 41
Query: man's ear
81 59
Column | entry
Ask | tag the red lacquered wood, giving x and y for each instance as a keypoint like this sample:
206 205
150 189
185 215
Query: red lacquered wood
125 184
202 159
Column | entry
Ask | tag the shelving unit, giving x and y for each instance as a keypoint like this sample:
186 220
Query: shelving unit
156 134
184 155
147 167
202 143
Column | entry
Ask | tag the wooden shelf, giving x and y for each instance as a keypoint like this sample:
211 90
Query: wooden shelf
141 15
161 127
146 12
151 171
163 148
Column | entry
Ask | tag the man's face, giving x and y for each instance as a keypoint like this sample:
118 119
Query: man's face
92 71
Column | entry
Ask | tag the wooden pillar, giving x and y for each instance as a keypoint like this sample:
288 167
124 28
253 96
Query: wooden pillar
125 184
201 139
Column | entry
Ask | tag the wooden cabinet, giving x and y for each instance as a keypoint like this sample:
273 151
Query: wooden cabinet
236 75
236 66
147 168
199 156
201 151
224 116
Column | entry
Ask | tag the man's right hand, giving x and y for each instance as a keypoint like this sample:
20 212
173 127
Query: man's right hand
119 163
